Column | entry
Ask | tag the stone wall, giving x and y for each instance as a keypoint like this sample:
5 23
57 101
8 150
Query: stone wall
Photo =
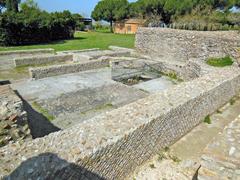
93 55
122 69
181 45
37 60
113 144
49 71
13 118
26 52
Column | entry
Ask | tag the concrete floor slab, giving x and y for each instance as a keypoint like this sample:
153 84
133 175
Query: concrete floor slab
156 85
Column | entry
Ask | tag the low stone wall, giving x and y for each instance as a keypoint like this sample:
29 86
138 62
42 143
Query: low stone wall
186 72
93 55
113 144
182 45
27 52
49 71
122 69
78 51
37 60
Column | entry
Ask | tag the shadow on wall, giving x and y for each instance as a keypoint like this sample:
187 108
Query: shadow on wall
49 166
38 124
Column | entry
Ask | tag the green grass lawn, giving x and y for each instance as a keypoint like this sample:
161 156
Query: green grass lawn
83 40
220 62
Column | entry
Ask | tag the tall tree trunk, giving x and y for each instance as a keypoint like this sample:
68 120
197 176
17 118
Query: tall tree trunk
15 5
111 26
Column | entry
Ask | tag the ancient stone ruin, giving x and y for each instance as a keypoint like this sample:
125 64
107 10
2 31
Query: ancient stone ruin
102 114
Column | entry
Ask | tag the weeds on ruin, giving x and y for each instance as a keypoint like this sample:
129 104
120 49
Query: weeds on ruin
173 76
175 158
220 62
163 154
208 120
152 166
232 101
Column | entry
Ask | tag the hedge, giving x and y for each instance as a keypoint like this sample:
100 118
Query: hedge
34 27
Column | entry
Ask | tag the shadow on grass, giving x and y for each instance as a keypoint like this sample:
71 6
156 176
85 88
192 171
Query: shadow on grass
39 125
49 43
49 166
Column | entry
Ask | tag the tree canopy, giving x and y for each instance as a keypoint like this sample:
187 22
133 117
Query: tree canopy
111 10
31 25
166 10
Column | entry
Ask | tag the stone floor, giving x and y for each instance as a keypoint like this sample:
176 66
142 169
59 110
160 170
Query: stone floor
156 85
183 159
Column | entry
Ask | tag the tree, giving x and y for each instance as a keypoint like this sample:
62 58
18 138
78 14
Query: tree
29 5
79 23
12 5
110 11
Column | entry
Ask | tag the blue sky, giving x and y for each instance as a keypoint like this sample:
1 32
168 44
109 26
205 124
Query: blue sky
83 7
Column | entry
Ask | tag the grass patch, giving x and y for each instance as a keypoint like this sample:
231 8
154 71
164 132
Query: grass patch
208 120
43 111
220 62
83 40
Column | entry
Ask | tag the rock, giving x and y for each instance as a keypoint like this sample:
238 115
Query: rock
6 126
13 119
15 134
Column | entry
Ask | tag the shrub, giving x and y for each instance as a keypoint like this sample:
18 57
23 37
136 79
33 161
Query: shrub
34 26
